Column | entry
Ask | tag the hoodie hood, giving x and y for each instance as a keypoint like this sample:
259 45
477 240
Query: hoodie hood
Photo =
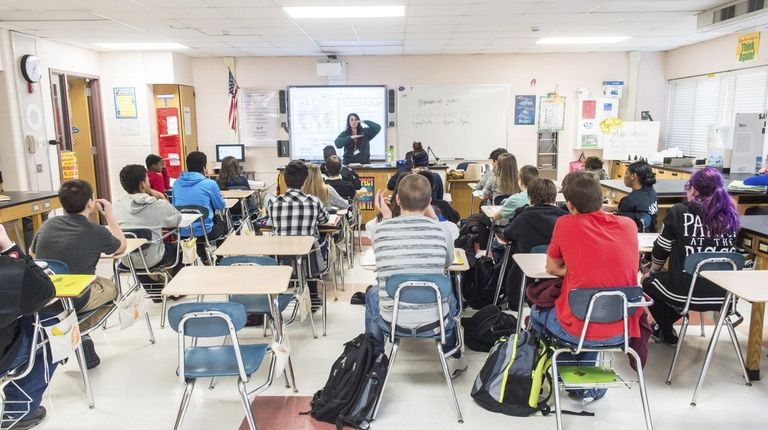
189 179
136 203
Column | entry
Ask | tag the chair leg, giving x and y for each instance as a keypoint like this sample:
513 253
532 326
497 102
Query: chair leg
448 381
683 329
2 405
643 391
86 379
163 311
246 404
325 307
149 327
190 385
701 323
292 375
312 320
735 342
392 356
712 345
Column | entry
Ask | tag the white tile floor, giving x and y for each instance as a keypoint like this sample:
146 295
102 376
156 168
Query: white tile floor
136 387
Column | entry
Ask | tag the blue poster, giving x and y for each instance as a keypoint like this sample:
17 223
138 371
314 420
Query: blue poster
525 110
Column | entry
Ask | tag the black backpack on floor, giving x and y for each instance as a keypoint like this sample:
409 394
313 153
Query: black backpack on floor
353 386
484 277
483 329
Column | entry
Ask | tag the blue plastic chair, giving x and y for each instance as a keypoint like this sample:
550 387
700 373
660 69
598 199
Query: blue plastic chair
215 319
421 289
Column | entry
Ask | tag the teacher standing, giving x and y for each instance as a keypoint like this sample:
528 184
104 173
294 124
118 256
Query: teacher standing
356 140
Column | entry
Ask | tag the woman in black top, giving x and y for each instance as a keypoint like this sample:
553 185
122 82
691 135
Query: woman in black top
640 204
706 222
356 140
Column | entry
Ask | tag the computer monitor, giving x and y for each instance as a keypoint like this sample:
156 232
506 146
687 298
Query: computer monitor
230 150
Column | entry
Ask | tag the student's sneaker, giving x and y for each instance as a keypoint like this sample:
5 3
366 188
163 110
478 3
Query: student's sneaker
316 301
670 338
30 421
456 366
91 358
588 395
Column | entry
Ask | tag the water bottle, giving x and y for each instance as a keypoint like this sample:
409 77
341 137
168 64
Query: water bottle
391 155
758 164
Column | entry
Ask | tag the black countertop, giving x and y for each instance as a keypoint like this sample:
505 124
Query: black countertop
691 170
382 166
21 197
757 224
667 187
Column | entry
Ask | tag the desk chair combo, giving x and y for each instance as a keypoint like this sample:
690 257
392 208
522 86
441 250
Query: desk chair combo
203 212
10 418
422 289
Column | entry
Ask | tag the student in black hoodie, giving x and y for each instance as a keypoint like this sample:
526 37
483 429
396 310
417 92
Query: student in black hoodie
442 207
346 173
640 204
531 226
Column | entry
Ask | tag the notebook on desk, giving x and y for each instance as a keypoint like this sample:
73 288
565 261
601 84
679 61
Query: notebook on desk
4 198
71 285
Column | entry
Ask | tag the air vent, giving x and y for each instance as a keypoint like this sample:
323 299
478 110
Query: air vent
738 16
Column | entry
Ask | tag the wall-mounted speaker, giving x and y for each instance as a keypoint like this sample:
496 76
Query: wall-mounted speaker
282 101
391 115
283 148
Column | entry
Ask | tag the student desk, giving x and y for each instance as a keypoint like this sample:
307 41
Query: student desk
242 196
336 223
749 285
28 204
461 195
279 246
229 280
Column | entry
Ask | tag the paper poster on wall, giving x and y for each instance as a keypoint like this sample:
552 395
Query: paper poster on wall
631 139
588 108
68 165
591 113
187 112
125 102
172 125
366 201
525 110
552 113
747 47
259 117
613 89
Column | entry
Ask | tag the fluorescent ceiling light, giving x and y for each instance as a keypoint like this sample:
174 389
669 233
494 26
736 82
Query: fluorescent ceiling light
359 43
593 40
143 46
345 12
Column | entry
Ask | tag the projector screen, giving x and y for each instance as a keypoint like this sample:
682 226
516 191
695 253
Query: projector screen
317 115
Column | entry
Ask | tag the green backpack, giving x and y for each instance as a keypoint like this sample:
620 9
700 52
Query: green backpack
515 378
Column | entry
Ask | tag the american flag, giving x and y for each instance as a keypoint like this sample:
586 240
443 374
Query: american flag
232 102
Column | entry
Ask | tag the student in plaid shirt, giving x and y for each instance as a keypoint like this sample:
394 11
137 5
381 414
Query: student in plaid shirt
295 213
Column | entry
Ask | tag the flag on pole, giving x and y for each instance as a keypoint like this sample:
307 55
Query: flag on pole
232 101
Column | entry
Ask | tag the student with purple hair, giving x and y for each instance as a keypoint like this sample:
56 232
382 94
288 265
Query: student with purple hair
706 222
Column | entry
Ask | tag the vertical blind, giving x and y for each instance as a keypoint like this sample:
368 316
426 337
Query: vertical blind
694 105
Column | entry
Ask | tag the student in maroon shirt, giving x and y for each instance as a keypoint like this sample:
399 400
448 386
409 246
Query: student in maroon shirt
157 175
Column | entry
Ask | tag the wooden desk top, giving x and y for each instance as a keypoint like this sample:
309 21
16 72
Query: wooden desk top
21 197
532 265
266 245
237 194
490 211
188 219
750 285
201 280
460 263
757 224
228 203
133 244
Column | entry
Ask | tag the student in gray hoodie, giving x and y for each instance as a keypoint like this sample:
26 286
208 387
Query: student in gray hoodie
144 207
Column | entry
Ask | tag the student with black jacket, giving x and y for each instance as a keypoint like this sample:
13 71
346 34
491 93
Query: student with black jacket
346 173
532 226
641 204
444 208
25 289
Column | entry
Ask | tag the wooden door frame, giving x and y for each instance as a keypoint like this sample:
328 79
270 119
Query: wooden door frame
96 120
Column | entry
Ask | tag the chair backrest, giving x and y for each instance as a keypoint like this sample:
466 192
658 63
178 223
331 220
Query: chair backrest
695 263
195 209
247 260
463 165
56 266
500 198
207 319
140 233
418 294
605 308
540 249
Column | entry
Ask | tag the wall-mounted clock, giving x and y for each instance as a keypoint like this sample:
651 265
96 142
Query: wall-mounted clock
31 69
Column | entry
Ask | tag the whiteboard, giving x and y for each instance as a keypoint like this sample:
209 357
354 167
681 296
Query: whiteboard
461 121
631 139
316 116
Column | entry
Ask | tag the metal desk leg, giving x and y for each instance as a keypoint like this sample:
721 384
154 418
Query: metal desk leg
69 306
303 284
247 212
712 345
500 282
520 306
138 287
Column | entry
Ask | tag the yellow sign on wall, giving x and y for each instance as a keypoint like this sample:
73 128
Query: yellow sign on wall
68 165
746 49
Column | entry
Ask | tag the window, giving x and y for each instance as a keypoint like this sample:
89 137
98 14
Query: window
696 106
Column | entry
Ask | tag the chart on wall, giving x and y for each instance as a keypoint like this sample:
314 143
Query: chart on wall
461 121
259 117
317 115
629 139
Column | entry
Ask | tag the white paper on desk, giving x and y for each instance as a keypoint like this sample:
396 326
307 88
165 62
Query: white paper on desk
646 240
282 353
368 258
63 337
305 305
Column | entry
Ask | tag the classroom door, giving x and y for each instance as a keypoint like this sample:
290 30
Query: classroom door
80 128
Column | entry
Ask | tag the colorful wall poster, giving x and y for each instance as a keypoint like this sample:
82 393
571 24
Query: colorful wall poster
125 102
525 110
747 47
366 201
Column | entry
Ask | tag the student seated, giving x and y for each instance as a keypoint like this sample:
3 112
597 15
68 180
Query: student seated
76 241
489 176
413 243
761 178
343 187
295 213
314 185
505 182
229 175
158 176
26 289
514 202
532 226
640 204
595 165
193 188
443 209
346 173
143 208
589 249
420 162
706 222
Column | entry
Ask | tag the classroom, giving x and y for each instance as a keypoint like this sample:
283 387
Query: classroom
265 200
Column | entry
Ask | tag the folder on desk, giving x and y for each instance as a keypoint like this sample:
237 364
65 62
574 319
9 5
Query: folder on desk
457 258
4 198
71 285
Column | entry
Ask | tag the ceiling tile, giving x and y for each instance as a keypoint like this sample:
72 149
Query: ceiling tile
182 14
252 12
660 5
